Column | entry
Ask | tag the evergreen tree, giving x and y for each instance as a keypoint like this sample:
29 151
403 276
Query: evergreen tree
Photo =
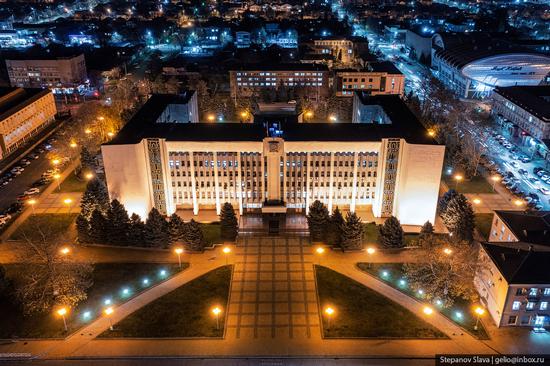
87 160
157 231
427 229
98 224
459 218
136 231
391 233
83 229
335 227
176 227
229 224
118 224
444 201
95 196
317 220
193 237
352 232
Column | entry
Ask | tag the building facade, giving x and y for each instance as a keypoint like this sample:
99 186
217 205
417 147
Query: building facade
309 79
342 49
378 79
53 73
23 113
390 169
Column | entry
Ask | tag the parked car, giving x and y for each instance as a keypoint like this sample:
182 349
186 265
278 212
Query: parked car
525 159
522 171
14 208
4 219
31 191
24 162
544 190
514 164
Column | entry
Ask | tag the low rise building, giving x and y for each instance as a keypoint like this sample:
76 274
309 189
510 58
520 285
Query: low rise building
23 113
526 226
341 48
377 78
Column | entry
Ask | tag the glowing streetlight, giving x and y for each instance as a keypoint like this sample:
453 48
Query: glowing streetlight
62 312
178 251
370 252
320 251
73 144
216 311
427 310
87 131
476 201
211 118
65 250
519 203
68 202
448 251
226 251
495 179
431 133
110 134
458 178
332 118
89 176
244 114
329 312
56 162
57 178
479 312
108 312
32 202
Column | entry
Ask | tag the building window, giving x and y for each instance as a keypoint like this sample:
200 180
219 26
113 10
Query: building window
544 305
512 319
516 305
530 306
547 291
533 291
525 320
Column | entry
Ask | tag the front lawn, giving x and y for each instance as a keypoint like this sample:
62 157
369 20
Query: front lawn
483 222
460 312
184 312
51 225
109 282
72 184
477 184
211 233
362 312
371 233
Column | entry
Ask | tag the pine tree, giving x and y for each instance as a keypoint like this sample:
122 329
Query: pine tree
98 224
136 231
157 232
443 202
95 196
118 224
87 160
335 227
317 220
391 233
427 229
193 237
352 232
176 227
229 225
459 218
83 229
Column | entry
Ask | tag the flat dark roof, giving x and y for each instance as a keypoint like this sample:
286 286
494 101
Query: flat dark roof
143 125
519 265
12 100
534 99
384 66
530 227
279 67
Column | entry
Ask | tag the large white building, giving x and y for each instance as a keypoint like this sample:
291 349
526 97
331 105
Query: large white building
388 164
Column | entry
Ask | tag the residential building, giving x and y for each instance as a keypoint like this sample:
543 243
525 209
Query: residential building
309 79
377 78
277 165
341 48
23 113
526 226
514 285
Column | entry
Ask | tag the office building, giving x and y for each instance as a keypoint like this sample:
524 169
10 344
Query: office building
377 78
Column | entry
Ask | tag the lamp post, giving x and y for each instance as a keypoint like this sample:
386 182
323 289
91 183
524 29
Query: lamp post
226 251
476 201
32 202
108 312
448 251
65 250
320 251
216 311
178 251
458 178
89 176
57 178
428 310
479 312
62 312
68 202
495 179
370 252
329 311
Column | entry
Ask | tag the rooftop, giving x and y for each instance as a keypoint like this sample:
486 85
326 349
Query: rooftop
279 67
534 99
520 264
530 227
13 100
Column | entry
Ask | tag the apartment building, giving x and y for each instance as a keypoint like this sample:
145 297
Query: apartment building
377 78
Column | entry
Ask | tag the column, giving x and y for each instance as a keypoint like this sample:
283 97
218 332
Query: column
193 184
331 182
307 183
216 183
354 187
239 183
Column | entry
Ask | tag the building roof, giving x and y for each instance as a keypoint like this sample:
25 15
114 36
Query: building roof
279 67
534 99
530 227
12 100
518 264
384 66
404 125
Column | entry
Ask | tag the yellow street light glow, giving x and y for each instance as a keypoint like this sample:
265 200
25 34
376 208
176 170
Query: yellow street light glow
101 118
178 250
65 250
371 250
309 114
57 176
329 311
226 250
216 311
211 117
431 133
320 250
332 118
67 201
244 114
62 311
448 251
495 178
87 131
55 162
31 202
110 134
459 177
73 144
89 176
518 202
108 311
479 310
428 310
476 201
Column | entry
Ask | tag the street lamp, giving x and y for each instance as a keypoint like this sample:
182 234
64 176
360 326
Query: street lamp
226 251
448 251
495 179
216 311
458 178
62 312
108 312
370 252
110 134
32 202
476 201
329 311
320 251
178 251
73 144
431 133
87 131
519 203
333 118
55 162
244 114
428 310
89 176
211 118
479 312
57 178
68 202
65 250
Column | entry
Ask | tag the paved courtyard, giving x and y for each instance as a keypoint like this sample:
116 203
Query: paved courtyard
273 290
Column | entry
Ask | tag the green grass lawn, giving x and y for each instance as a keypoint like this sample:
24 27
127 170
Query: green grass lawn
109 280
460 312
72 184
362 312
50 224
484 221
370 235
477 184
184 312
211 233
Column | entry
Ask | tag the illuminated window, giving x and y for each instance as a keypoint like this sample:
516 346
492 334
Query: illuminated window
516 305
544 305
530 306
